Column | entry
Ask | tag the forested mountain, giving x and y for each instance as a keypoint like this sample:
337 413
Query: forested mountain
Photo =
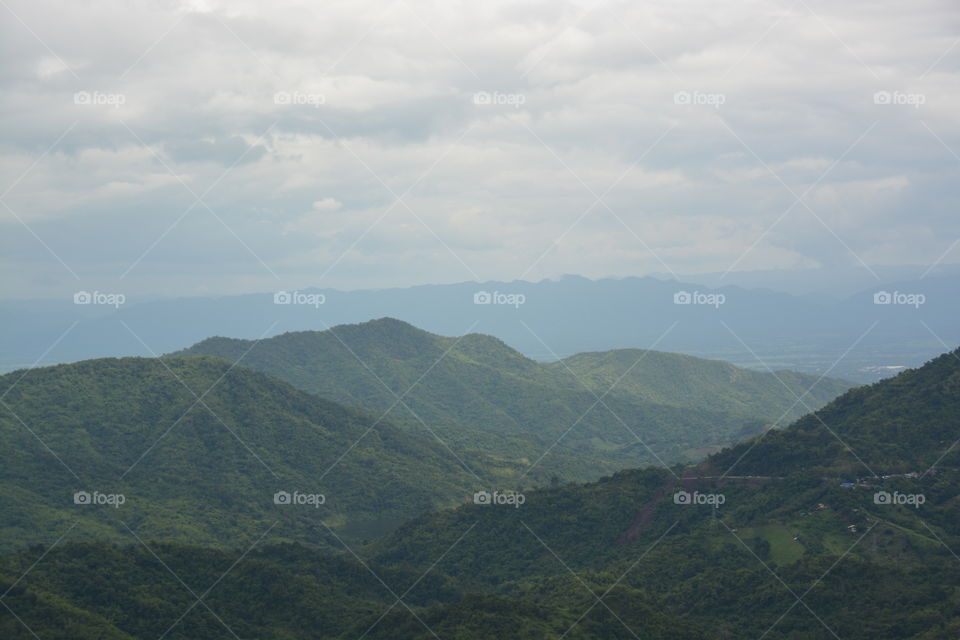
198 448
594 413
735 541
784 536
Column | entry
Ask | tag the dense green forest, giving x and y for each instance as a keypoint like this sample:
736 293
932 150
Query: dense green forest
596 412
782 536
198 448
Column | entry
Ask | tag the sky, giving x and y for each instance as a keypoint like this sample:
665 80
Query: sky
206 147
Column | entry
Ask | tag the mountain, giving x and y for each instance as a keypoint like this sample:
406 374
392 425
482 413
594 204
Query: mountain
773 541
87 591
198 449
787 535
899 425
849 336
696 383
590 414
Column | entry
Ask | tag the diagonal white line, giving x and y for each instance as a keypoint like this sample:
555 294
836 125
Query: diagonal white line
40 240
373 24
396 402
762 37
934 534
244 43
199 400
937 262
151 47
37 561
14 614
394 203
439 39
954 154
799 398
547 45
599 400
954 445
37 361
757 440
174 574
198 198
618 580
39 158
596 397
634 34
797 199
598 199
597 599
40 40
839 39
940 140
240 240
400 200
779 579
199 599
815 582
40 440
399 599
937 61
402 402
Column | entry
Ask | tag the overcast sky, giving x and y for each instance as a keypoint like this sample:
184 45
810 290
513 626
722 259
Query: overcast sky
207 146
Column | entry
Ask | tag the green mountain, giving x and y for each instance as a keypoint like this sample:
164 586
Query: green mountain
678 380
770 538
198 448
81 591
732 543
576 419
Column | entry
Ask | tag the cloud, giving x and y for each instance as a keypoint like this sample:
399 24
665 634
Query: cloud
344 139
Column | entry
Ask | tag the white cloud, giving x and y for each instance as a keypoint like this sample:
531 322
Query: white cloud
381 102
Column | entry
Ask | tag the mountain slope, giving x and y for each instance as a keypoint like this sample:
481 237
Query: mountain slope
786 525
478 393
274 592
198 448
709 385
901 424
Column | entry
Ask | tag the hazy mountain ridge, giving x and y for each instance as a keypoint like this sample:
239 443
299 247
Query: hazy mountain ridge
559 318
475 391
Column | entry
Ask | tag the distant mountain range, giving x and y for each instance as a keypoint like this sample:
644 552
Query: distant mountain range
849 337
576 418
